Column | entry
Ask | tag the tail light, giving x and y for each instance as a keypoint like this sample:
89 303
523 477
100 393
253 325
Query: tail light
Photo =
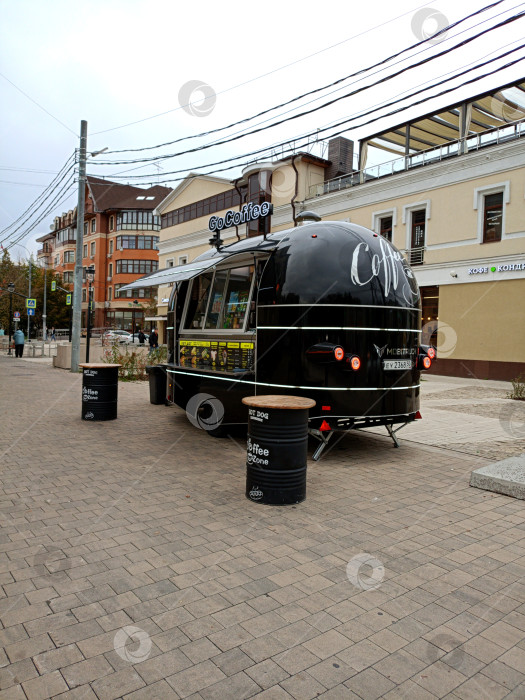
427 353
323 353
325 427
354 361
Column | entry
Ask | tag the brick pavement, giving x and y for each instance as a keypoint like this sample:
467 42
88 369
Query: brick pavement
132 566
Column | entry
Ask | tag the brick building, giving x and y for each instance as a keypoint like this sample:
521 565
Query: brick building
120 241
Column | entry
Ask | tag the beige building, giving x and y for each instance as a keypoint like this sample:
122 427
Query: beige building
450 194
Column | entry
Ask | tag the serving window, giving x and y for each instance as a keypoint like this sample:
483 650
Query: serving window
219 301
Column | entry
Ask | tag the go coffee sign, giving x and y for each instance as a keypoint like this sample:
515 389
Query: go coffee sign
249 212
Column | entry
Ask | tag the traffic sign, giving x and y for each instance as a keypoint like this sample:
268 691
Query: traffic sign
53 286
30 303
68 299
16 314
30 312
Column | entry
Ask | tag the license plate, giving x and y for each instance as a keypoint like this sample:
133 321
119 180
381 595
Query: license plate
397 364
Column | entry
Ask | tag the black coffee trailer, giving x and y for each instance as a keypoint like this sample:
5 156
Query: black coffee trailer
328 311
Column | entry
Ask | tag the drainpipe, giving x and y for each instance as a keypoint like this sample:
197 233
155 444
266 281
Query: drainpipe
236 185
292 202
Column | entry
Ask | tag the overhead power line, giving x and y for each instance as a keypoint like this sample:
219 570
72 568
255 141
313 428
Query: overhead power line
68 165
352 93
37 104
61 197
32 210
271 72
316 90
358 126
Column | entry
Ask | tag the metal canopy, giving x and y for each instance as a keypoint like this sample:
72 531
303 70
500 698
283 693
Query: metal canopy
206 261
481 113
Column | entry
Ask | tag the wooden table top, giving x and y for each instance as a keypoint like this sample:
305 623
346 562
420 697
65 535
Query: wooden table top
278 401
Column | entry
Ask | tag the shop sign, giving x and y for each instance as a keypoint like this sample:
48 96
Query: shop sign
510 267
249 212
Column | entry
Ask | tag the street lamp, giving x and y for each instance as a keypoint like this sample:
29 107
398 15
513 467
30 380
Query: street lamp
10 289
133 305
90 275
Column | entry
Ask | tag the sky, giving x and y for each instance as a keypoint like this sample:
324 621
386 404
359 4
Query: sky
143 73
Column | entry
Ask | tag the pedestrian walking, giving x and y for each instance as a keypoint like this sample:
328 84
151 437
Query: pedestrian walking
153 340
18 337
53 334
142 337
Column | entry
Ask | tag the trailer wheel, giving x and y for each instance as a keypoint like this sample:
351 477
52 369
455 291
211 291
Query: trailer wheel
206 412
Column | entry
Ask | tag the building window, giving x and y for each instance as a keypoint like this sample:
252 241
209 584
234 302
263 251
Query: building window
84 253
110 293
86 229
93 225
124 319
415 217
137 221
183 260
417 241
492 217
385 227
490 202
111 223
204 207
138 242
110 270
169 263
135 267
259 192
68 277
92 249
111 247
57 259
142 293
69 256
84 295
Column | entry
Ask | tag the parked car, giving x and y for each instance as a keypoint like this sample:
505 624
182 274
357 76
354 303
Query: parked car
121 336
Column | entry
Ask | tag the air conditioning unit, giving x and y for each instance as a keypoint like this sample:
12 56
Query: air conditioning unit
91 257
110 255
109 279
107 304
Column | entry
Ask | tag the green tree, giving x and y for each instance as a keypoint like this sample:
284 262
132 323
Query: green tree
18 274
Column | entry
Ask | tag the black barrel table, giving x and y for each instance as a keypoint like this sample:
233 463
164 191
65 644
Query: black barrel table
99 391
277 449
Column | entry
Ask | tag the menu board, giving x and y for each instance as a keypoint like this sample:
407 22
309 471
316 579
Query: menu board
219 355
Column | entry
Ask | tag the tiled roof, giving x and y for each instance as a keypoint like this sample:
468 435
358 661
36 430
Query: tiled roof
109 195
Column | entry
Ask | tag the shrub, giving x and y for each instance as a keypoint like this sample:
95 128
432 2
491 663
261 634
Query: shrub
133 362
518 388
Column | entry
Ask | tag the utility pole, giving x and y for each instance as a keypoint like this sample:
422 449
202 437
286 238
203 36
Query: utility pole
29 296
44 313
77 290
10 289
90 274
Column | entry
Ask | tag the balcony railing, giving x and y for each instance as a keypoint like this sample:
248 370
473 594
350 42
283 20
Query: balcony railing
415 256
68 241
491 137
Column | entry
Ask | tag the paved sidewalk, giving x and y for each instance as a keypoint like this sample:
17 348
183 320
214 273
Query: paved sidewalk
132 566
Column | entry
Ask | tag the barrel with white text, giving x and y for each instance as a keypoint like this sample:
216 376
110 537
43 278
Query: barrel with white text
276 456
99 393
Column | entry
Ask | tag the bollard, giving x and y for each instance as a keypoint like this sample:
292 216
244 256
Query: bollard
277 449
99 391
